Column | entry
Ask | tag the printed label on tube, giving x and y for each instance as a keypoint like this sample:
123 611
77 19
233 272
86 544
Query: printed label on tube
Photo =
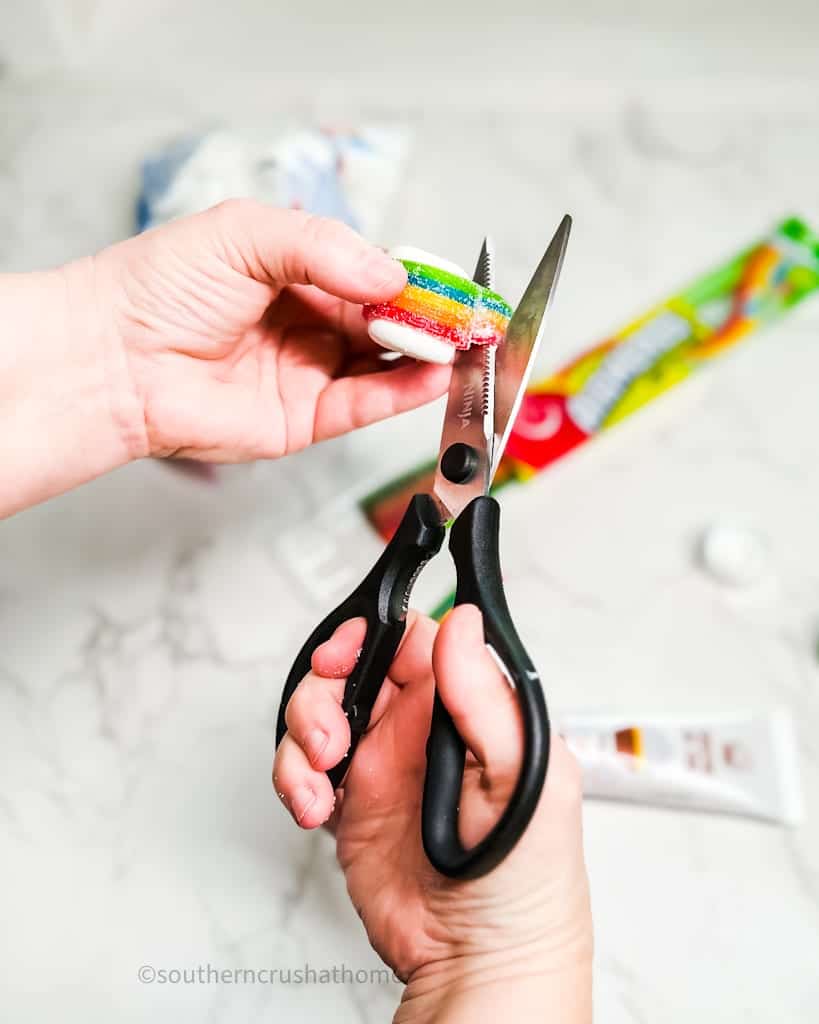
735 764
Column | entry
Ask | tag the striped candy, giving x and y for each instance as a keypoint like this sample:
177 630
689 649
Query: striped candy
446 306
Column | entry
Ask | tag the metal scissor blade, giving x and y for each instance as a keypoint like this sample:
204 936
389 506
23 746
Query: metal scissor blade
469 409
516 356
467 422
485 268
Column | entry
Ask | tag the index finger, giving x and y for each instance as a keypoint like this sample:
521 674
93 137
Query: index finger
291 247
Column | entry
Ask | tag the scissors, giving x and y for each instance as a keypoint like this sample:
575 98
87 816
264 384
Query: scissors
485 392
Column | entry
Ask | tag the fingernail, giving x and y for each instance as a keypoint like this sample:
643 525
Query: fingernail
303 800
314 744
382 272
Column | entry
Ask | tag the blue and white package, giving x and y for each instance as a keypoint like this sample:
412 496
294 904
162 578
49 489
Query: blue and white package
349 175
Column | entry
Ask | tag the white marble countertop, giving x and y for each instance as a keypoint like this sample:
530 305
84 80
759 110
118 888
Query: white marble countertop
147 622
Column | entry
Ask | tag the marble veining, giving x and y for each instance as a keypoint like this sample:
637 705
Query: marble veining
147 621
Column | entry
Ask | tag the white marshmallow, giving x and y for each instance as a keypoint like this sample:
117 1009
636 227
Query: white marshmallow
409 341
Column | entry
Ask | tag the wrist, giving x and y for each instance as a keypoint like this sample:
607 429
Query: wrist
532 983
67 410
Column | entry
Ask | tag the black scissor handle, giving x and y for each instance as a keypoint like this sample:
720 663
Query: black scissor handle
382 599
474 545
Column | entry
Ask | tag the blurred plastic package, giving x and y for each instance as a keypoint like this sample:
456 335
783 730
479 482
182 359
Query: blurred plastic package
349 174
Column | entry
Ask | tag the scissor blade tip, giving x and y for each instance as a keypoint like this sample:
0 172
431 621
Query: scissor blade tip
488 248
485 267
559 242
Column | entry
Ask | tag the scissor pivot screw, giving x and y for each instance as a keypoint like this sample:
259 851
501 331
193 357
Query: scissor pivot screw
459 462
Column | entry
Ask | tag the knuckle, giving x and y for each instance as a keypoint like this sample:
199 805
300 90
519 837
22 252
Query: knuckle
279 777
237 208
286 766
293 712
308 234
416 619
420 629
310 705
322 230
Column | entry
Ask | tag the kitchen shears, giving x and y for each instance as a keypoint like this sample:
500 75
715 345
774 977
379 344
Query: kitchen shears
486 389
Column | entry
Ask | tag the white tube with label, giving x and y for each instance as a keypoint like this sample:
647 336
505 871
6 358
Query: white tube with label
735 764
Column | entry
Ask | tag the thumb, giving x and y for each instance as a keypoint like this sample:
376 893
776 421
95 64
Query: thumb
475 692
283 247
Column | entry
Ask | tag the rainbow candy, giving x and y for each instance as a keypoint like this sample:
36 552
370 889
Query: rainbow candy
446 306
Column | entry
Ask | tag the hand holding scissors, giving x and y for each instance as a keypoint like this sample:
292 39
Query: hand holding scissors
485 392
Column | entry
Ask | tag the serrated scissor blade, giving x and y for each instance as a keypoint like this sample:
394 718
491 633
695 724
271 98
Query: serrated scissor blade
516 356
485 268
469 412
467 421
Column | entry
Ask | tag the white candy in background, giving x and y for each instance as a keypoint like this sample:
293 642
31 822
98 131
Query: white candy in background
410 341
734 555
